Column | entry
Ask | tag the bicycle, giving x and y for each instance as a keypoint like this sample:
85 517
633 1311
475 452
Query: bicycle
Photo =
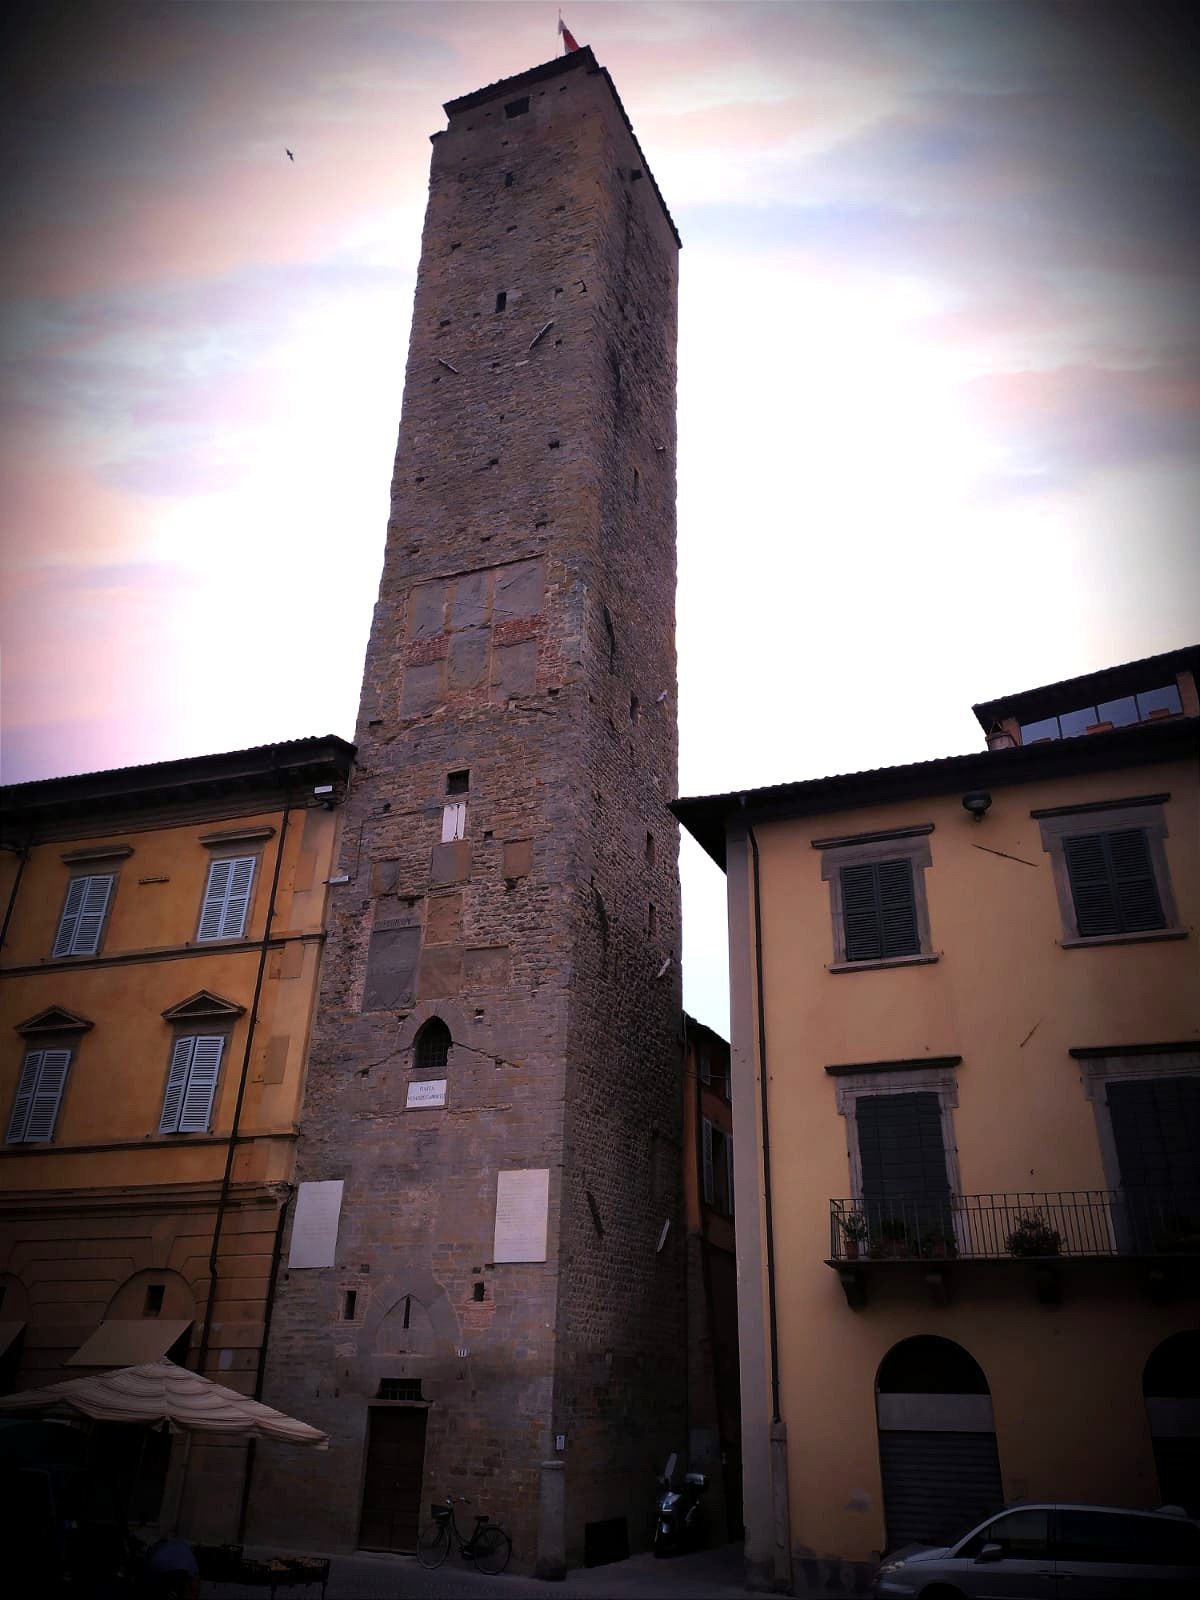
489 1547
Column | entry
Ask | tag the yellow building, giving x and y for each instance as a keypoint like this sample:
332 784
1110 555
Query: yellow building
161 942
966 1086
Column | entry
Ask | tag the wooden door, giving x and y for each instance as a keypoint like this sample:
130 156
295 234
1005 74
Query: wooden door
391 1509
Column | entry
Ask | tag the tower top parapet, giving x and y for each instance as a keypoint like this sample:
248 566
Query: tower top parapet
581 60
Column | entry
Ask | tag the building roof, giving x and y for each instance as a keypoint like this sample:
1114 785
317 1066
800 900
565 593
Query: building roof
1143 744
574 61
1110 683
282 766
694 1025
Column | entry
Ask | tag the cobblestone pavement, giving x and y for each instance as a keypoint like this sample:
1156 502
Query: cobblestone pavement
707 1575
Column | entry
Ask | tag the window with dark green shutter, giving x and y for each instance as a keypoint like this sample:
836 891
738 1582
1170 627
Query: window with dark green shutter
879 911
1112 881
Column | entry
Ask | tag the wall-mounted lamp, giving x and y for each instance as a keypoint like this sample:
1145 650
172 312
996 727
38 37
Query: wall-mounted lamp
977 803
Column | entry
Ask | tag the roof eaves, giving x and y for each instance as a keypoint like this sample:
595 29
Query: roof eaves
1143 744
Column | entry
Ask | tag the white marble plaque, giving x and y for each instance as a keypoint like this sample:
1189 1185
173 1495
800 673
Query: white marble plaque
432 1092
315 1230
522 1204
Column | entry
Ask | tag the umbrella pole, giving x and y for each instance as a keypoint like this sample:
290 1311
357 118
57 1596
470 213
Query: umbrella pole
170 1525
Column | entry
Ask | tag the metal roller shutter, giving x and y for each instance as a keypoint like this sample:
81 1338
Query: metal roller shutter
936 1485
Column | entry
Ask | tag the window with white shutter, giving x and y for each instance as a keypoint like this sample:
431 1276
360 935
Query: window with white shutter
39 1094
227 898
191 1084
454 821
83 913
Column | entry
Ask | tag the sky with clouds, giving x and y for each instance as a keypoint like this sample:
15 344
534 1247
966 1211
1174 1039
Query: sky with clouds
938 381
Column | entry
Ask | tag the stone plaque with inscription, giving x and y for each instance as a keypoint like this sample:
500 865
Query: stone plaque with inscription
522 1204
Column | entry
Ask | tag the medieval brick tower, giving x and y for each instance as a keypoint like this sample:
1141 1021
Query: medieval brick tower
481 1289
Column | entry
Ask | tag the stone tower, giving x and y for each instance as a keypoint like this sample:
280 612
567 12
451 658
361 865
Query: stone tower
494 1078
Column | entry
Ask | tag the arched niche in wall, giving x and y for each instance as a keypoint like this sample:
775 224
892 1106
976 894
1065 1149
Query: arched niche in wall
937 1441
1171 1386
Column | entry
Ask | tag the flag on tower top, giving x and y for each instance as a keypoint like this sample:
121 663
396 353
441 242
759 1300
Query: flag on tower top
568 38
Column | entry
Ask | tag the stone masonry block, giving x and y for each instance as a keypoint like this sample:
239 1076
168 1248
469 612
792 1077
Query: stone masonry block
427 610
443 918
517 858
441 971
514 669
468 659
489 968
451 862
519 590
422 688
469 607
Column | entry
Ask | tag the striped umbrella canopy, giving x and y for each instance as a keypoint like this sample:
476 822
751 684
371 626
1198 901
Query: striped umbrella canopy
162 1392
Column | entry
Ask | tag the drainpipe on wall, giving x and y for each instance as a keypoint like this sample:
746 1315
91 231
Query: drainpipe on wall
22 851
781 1540
231 1147
261 1372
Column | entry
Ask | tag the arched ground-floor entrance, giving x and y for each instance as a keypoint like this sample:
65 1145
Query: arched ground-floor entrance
937 1442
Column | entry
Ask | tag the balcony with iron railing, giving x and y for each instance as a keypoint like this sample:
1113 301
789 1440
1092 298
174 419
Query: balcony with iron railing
1042 1229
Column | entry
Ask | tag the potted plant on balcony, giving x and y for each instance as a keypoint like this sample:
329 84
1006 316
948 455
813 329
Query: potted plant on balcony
894 1239
938 1245
854 1233
1033 1236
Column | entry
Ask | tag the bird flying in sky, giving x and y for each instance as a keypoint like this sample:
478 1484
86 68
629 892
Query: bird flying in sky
288 153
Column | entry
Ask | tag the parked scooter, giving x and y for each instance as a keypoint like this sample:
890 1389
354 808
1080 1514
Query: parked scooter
681 1522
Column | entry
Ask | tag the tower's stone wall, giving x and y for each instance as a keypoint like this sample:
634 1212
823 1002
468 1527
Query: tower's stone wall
524 634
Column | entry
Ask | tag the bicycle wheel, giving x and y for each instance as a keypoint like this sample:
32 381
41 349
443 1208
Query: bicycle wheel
434 1544
492 1548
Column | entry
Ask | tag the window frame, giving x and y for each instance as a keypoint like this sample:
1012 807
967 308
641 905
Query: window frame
1097 1070
909 844
216 860
40 1050
194 1039
102 928
853 1086
1146 814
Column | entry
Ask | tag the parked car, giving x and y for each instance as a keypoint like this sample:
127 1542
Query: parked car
1054 1552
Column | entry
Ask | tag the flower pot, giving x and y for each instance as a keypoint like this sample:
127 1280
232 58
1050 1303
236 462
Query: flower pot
850 1249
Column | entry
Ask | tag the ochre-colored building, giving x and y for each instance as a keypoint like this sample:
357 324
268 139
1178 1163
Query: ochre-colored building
968 1199
714 1421
162 937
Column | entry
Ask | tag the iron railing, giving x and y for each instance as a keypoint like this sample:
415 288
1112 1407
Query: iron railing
974 1227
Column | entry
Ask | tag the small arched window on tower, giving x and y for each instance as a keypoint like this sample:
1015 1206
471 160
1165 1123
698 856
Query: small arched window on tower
431 1049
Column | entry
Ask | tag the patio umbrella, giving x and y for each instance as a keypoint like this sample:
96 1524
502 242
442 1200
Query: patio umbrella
162 1392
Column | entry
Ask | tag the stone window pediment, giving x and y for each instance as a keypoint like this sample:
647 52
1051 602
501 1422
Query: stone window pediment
54 1019
202 1006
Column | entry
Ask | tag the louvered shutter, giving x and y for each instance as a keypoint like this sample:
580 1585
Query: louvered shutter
1095 905
706 1143
65 938
729 1168
897 909
201 1085
879 912
1138 904
91 916
215 894
237 901
1112 882
43 1110
25 1088
181 1060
